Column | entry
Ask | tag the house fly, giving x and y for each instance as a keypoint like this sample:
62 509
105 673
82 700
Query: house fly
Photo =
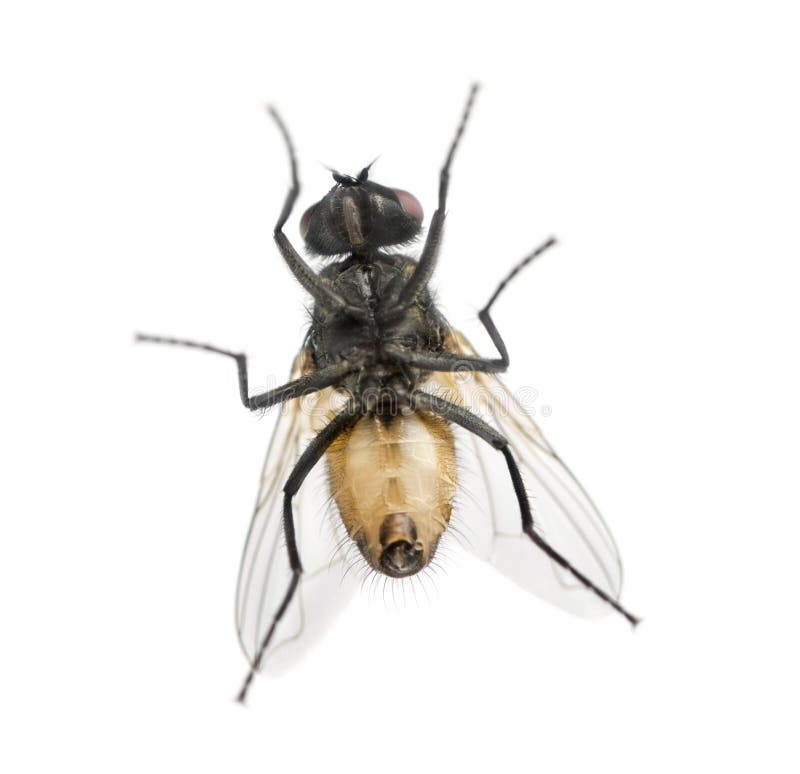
381 388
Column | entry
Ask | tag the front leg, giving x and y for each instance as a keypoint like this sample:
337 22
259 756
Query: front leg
305 275
427 260
305 385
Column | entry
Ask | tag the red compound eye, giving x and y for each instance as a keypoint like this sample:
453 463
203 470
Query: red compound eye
409 203
305 220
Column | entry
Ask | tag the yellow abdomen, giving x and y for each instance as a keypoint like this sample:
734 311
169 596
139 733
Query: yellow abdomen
405 465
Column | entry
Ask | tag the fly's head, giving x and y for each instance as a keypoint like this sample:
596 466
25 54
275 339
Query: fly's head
359 216
397 546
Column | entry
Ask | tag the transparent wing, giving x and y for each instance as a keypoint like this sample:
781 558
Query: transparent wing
264 573
563 512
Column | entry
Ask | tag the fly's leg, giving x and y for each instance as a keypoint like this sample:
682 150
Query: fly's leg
305 385
448 361
312 454
474 424
430 252
484 315
304 274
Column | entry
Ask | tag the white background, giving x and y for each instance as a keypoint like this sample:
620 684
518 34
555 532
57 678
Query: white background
140 182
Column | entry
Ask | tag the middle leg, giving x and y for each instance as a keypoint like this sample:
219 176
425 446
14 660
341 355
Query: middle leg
305 385
450 361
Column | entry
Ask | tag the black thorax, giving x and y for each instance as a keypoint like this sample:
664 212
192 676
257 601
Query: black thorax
373 283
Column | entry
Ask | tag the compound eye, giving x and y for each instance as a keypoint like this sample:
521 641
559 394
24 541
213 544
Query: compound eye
409 203
304 221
